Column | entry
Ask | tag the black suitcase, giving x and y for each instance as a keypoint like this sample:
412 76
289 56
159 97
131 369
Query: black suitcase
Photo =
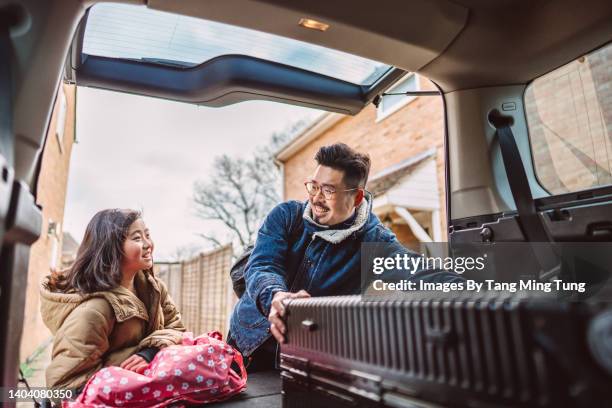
494 350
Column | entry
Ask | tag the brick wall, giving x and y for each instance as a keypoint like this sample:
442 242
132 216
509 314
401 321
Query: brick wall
411 130
51 195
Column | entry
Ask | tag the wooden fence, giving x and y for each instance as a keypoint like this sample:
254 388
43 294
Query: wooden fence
201 289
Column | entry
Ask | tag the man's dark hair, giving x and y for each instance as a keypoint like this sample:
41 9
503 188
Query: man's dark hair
355 165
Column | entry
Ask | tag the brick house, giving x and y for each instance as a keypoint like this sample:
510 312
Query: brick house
46 253
404 137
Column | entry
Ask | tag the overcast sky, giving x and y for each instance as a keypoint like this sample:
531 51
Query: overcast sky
146 153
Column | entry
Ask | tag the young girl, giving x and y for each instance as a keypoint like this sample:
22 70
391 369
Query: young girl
108 309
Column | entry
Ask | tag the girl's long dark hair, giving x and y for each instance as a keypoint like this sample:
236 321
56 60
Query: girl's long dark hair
97 266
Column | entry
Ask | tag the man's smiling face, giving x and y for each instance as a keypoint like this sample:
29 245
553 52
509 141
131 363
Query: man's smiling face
342 203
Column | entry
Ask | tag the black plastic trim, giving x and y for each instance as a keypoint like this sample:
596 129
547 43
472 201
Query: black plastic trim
386 81
570 223
222 81
588 196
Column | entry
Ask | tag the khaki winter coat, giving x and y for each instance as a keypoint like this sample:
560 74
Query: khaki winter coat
105 328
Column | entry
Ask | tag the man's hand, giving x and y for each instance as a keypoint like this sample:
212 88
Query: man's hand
135 363
277 312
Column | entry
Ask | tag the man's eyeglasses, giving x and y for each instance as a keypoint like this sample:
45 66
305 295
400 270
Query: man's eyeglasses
328 191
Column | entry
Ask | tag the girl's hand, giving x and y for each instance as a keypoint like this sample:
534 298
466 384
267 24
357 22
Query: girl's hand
135 363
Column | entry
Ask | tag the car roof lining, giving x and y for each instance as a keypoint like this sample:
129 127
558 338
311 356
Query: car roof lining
514 41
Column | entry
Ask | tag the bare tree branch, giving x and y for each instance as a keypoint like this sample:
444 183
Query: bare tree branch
216 243
241 192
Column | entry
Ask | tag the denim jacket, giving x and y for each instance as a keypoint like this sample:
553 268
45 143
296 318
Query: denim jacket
320 260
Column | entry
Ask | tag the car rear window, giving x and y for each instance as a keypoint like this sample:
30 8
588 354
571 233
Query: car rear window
136 32
569 116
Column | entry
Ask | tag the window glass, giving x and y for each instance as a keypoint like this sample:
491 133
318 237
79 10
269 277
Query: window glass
569 115
136 32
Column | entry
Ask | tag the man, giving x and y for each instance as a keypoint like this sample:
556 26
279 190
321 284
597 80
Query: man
309 248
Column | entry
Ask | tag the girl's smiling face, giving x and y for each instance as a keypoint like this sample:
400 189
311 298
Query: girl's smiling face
137 248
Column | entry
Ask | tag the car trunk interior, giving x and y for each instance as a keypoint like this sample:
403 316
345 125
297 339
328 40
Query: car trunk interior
481 55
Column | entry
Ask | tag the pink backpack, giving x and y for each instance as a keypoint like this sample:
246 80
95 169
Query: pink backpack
198 371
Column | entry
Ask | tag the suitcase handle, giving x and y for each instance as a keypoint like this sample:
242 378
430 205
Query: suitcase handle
309 325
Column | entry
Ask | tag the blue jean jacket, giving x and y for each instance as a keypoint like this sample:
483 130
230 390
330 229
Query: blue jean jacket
293 252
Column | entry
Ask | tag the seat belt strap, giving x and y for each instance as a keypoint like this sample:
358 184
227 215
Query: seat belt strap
530 221
528 218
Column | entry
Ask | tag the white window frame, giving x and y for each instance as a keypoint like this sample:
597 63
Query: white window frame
54 233
381 113
61 119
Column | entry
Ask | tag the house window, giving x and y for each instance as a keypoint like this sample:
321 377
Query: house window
392 103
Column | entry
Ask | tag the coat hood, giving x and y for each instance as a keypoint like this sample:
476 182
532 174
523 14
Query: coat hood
55 306
364 220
